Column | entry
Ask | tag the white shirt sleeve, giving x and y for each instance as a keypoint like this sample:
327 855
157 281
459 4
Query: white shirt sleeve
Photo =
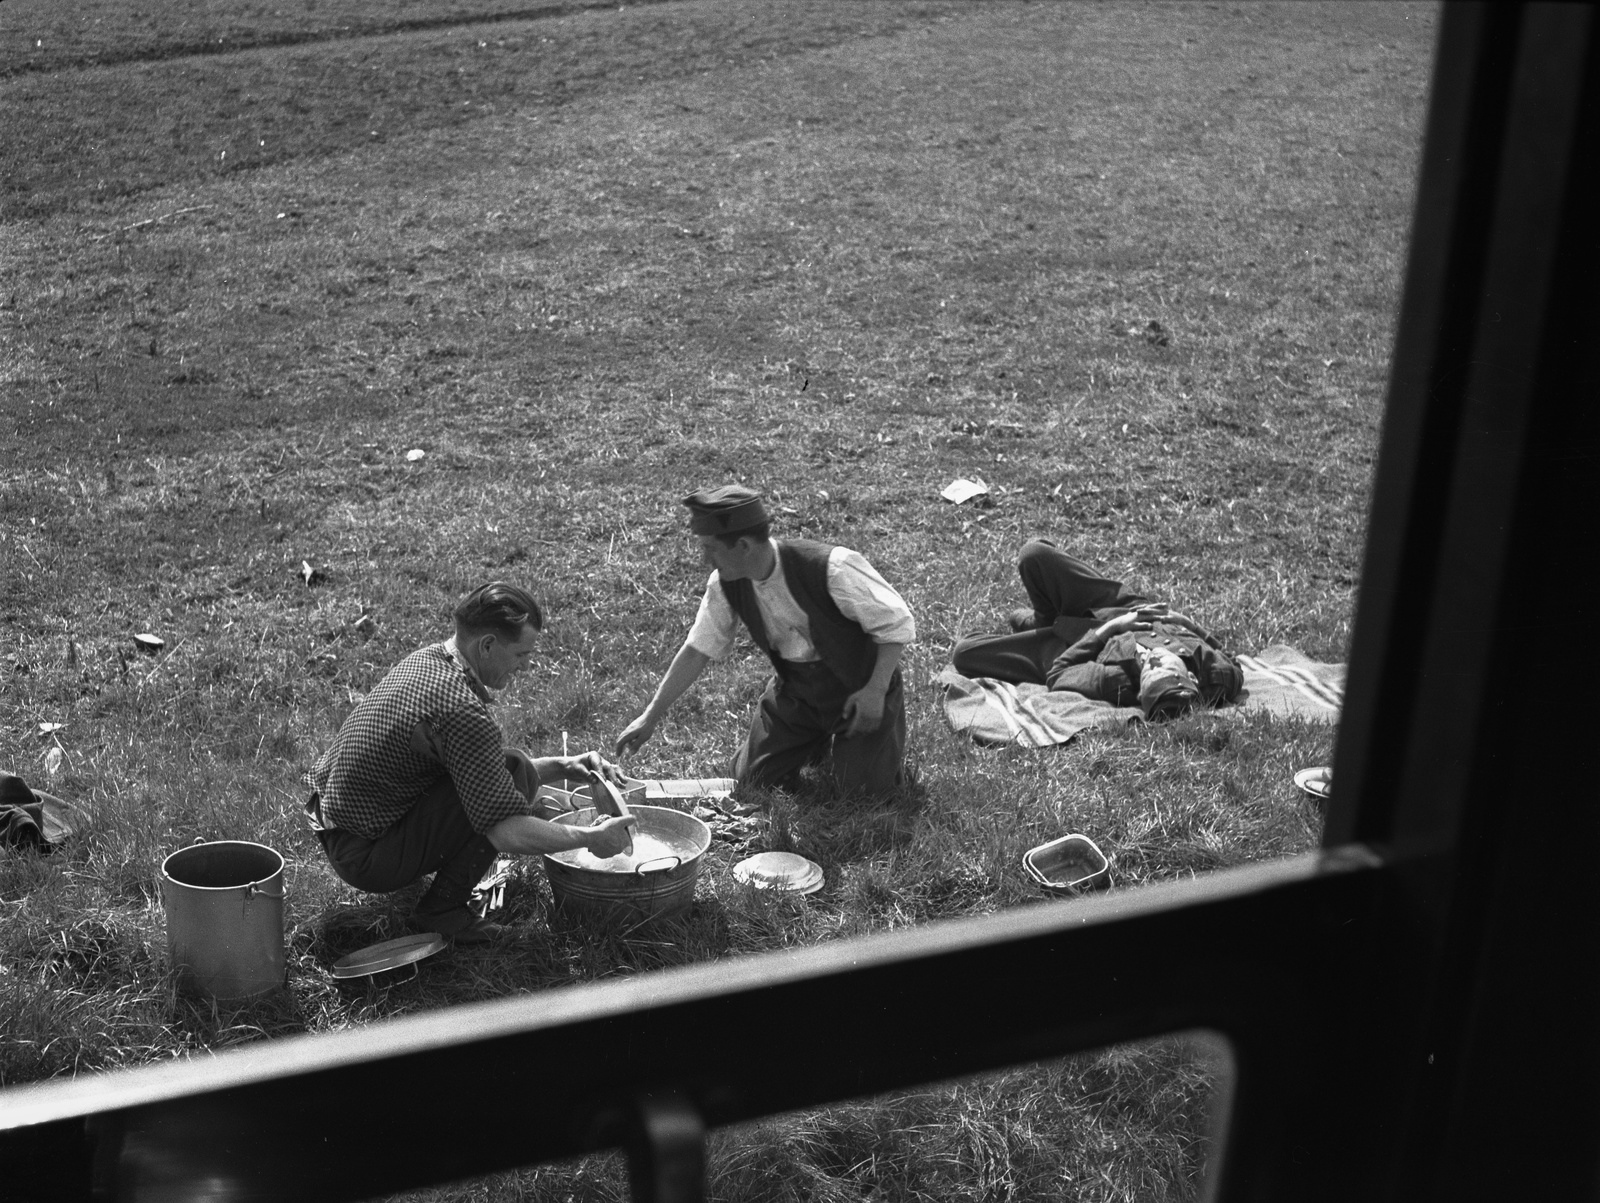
715 625
858 590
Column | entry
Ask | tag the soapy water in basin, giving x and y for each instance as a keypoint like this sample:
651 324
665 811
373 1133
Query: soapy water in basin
646 848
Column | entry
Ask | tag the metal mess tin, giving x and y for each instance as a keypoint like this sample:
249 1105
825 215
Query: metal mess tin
1069 865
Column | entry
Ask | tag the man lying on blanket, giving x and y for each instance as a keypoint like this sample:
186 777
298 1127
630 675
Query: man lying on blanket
1092 635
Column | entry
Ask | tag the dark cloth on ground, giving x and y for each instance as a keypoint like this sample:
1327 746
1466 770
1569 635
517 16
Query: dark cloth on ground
22 826
14 791
33 819
795 725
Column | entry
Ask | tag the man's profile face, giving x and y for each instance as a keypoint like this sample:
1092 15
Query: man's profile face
500 659
732 563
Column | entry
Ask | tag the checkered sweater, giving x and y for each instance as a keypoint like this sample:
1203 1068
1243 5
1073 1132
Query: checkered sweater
382 761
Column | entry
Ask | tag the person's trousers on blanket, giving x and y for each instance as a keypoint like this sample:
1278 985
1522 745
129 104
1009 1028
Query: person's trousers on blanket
1092 635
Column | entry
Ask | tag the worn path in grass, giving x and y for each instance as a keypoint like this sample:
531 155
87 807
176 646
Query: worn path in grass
587 262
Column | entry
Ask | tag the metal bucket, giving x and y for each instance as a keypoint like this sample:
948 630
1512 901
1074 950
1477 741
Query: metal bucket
657 882
224 904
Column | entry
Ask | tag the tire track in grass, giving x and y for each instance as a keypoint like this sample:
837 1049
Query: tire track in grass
84 137
159 45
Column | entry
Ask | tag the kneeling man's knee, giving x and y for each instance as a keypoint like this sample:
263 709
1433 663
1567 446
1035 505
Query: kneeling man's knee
967 658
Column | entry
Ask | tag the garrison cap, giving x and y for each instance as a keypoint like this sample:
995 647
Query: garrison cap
724 511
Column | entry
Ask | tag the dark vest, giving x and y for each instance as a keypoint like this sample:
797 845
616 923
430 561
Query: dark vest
844 647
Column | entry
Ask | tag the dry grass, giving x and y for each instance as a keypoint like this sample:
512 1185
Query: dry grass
589 261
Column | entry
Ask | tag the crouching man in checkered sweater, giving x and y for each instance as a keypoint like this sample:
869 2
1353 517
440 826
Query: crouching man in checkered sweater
419 779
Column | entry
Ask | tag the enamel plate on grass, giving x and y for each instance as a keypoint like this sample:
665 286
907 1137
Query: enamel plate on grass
780 871
1318 783
391 954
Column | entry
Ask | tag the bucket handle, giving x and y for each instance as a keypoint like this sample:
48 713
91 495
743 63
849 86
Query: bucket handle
676 861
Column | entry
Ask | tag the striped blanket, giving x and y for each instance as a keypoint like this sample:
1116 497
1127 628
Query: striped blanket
1280 680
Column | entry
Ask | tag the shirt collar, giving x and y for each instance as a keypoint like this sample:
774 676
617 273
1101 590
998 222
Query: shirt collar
474 682
777 565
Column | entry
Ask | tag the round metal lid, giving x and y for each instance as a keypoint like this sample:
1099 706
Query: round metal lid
390 954
780 871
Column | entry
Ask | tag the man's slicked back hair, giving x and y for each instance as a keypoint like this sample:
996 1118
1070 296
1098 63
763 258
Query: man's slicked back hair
499 607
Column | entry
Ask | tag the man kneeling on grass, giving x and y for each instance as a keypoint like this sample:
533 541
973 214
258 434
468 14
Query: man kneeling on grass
834 630
1088 634
419 779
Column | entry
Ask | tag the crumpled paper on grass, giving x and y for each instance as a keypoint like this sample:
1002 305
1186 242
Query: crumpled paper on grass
961 489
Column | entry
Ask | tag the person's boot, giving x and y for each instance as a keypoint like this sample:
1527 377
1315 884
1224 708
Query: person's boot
459 925
444 907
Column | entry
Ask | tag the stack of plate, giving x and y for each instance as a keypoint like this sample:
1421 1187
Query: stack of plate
780 871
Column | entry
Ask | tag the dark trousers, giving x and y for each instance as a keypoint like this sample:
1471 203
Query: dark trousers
797 724
434 836
1064 592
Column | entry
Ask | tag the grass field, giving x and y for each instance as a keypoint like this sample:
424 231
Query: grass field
588 259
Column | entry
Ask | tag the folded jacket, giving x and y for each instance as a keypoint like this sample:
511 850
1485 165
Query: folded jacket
22 826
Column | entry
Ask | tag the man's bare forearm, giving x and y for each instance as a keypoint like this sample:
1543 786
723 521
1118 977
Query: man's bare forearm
525 835
684 670
681 674
883 671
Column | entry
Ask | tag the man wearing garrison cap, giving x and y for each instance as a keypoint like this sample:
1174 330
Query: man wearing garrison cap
833 628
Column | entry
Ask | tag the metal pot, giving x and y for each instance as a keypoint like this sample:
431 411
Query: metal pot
224 904
655 882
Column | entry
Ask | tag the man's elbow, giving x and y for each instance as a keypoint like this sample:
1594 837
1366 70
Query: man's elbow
510 837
